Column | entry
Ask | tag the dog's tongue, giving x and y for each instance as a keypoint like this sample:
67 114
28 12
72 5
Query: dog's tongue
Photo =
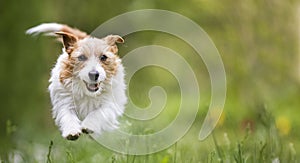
93 86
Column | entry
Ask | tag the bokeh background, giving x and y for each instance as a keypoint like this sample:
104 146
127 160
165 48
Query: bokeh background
258 41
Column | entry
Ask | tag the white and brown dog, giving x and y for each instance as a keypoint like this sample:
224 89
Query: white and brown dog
87 86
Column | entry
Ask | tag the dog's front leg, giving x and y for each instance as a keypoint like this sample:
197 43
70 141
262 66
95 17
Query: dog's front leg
66 118
101 119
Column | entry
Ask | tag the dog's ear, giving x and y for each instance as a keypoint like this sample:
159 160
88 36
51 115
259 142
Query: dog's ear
69 41
113 39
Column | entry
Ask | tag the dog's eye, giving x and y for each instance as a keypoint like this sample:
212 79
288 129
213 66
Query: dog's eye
103 57
82 58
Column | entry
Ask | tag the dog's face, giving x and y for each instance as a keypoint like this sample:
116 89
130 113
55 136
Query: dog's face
91 63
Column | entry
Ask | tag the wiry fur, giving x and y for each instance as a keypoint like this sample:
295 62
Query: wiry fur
75 108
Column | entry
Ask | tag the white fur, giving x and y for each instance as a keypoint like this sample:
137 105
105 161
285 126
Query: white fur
74 107
45 28
73 110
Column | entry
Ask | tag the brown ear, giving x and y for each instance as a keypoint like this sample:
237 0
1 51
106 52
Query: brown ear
113 39
69 41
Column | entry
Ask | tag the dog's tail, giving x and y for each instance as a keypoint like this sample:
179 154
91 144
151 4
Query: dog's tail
51 28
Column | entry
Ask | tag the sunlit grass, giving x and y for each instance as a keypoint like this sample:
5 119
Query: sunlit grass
262 143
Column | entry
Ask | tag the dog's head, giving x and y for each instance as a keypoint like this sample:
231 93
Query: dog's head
91 62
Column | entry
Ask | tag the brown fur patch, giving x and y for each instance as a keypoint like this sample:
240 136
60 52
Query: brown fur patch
113 49
76 32
69 41
67 69
113 39
110 66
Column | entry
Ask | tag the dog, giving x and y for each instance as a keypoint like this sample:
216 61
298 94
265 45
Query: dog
87 86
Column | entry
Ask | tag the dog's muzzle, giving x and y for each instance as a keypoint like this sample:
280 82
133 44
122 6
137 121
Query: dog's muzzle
93 86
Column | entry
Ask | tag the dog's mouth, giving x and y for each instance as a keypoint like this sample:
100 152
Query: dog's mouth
92 87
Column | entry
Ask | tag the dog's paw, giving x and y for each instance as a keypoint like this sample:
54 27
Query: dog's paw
87 131
90 127
72 135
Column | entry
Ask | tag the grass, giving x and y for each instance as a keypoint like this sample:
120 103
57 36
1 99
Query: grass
263 144
49 160
237 138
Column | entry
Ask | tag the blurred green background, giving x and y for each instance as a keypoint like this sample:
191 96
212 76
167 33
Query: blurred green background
258 41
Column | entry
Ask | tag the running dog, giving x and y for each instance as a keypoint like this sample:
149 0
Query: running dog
87 86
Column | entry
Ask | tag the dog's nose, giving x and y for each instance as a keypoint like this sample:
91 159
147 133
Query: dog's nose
94 75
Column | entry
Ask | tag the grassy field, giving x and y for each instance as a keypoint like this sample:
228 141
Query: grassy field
258 42
259 140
